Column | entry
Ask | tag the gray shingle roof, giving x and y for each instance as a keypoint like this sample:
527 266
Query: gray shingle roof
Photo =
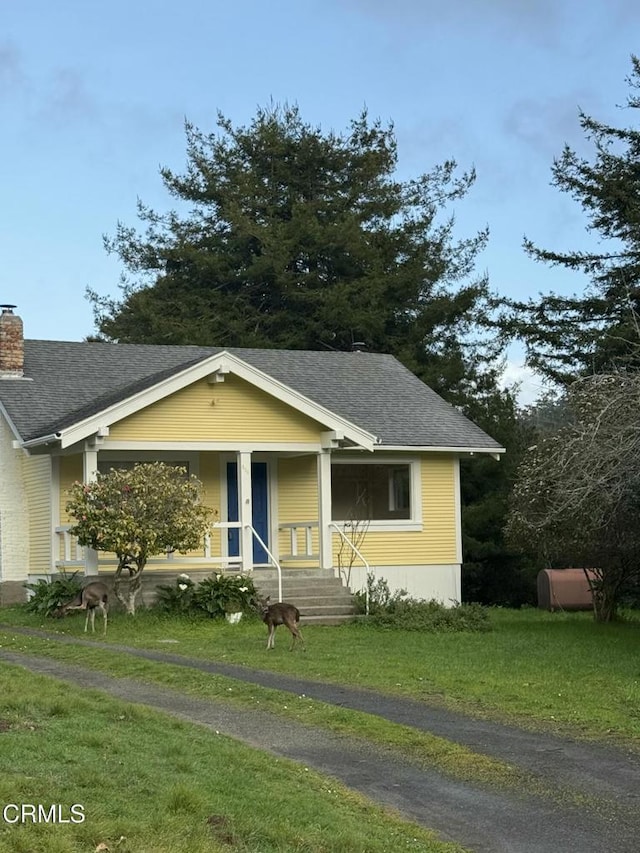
66 382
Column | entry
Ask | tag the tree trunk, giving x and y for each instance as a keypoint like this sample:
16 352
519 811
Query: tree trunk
605 590
127 597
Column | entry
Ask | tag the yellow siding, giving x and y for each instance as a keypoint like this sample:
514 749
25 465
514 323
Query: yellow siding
209 475
233 410
436 542
297 498
70 472
36 471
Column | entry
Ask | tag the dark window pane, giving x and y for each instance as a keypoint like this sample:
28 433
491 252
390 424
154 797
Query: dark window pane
370 492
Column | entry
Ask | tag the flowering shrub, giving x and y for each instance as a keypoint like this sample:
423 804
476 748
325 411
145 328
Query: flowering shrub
213 596
177 597
222 594
152 508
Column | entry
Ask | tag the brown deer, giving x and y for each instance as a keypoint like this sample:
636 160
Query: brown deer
94 595
281 614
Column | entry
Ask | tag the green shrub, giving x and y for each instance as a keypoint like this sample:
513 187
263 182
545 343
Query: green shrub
399 610
48 595
431 616
177 598
380 597
214 596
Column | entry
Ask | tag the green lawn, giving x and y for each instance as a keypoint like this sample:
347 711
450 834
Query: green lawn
552 671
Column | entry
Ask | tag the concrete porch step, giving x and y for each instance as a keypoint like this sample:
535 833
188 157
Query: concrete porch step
326 620
290 592
312 609
319 595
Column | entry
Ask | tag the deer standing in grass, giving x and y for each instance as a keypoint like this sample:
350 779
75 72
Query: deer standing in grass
93 596
281 614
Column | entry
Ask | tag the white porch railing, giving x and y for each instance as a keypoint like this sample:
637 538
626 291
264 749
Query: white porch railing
296 529
255 533
71 554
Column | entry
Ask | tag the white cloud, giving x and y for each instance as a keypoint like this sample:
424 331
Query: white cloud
529 385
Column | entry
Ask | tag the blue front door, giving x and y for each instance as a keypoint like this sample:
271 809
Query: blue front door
260 515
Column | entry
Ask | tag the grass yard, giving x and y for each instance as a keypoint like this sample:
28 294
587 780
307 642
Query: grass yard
558 671
150 784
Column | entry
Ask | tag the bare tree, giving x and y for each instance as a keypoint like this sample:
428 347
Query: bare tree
577 494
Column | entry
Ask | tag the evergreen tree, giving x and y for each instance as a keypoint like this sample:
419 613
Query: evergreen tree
493 571
571 336
289 237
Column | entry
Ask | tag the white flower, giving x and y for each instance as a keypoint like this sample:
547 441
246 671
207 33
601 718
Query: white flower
184 577
182 586
243 588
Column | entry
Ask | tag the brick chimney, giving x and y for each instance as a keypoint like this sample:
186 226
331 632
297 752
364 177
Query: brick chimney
11 344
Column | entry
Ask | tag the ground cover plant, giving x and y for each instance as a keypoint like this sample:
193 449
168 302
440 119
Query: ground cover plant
399 610
557 671
147 782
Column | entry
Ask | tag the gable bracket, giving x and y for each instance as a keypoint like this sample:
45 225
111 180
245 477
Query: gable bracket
218 375
331 439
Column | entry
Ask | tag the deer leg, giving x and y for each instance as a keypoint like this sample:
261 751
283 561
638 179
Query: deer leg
86 621
104 615
295 635
271 642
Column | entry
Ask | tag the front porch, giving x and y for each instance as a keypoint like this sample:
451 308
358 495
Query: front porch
257 500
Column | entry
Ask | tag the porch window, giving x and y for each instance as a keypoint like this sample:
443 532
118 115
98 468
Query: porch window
372 492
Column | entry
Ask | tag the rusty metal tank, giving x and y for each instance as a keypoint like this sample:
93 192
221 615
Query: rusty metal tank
565 589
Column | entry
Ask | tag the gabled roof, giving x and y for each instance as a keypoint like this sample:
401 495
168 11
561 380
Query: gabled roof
67 383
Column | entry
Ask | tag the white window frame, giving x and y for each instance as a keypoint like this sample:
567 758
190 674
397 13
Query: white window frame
411 524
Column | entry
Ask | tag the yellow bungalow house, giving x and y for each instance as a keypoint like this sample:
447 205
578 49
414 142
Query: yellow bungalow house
294 449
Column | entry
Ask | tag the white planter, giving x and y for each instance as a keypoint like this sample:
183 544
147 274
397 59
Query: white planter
233 618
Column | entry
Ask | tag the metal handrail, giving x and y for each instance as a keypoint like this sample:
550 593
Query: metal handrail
270 555
366 564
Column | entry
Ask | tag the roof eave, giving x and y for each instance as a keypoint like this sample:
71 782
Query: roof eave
463 450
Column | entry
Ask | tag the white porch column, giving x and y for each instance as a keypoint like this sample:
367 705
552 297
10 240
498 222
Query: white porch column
324 509
89 471
245 509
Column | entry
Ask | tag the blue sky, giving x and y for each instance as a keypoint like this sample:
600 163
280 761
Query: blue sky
93 98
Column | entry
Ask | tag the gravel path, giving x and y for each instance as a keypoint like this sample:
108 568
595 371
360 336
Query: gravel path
484 820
